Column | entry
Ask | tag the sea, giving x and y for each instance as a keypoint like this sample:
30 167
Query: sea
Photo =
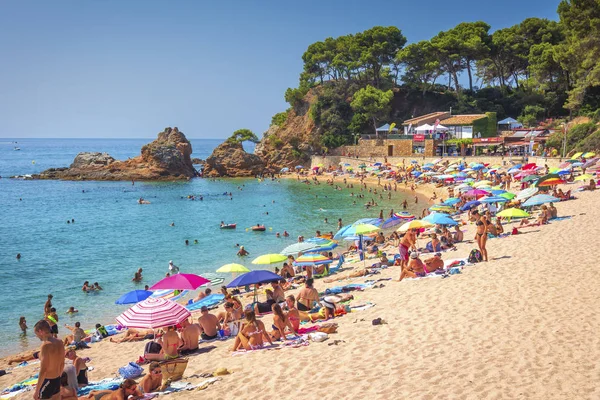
113 235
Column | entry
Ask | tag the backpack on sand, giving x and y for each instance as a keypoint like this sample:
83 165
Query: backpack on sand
475 256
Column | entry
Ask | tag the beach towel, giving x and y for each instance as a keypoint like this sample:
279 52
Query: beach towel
105 384
362 307
209 301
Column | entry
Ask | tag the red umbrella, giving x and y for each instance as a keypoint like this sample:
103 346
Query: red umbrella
153 314
477 193
181 282
529 166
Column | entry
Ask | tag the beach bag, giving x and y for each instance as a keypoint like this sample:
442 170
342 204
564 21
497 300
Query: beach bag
318 336
173 369
475 256
131 371
328 328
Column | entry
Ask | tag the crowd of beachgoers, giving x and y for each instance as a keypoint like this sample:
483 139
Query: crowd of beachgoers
469 205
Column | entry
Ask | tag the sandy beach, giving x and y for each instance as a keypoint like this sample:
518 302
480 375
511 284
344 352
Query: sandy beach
520 326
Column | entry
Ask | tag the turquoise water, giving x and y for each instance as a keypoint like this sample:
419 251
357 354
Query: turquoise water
113 236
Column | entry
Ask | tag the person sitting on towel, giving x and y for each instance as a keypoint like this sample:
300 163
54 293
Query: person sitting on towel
209 324
434 263
414 269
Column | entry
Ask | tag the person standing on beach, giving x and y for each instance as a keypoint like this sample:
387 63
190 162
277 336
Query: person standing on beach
406 243
481 234
52 363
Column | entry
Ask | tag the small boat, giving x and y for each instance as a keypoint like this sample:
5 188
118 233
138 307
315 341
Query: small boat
259 228
228 226
17 148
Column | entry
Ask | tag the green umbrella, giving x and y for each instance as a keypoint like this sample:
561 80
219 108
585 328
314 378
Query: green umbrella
269 259
508 195
530 178
365 229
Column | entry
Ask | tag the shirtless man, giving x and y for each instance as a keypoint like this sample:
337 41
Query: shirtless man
434 263
77 336
406 243
202 295
137 277
287 271
52 363
414 268
209 324
457 236
189 336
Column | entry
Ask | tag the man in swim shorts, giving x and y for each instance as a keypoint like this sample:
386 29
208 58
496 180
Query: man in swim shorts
52 363
406 243
209 324
189 337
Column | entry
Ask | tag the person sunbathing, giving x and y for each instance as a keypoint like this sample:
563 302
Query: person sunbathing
499 227
134 335
434 263
152 382
280 323
491 230
170 342
252 335
80 367
66 391
414 268
307 296
126 390
29 356
293 315
348 275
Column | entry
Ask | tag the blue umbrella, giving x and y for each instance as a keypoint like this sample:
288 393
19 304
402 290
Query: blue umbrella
342 233
416 173
133 297
440 219
393 221
318 240
326 247
452 201
254 277
493 199
470 204
496 192
377 164
286 169
373 221
299 167
540 199
477 167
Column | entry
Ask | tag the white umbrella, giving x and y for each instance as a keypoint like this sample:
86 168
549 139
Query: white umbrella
424 128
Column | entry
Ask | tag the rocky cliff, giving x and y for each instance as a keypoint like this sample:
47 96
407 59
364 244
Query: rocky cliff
230 159
166 158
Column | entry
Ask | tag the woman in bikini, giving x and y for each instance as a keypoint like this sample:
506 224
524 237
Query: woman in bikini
293 314
280 322
170 344
126 389
481 234
252 334
80 367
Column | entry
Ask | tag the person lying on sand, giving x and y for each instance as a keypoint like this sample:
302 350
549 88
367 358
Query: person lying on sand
280 323
252 334
134 335
434 263
28 356
126 389
352 274
152 382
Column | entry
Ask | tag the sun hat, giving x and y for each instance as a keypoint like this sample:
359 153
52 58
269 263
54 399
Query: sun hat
414 254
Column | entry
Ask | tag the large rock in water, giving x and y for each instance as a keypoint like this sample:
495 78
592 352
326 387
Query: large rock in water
166 158
231 160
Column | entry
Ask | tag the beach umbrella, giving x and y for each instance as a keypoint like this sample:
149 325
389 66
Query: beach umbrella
135 296
512 213
493 199
392 221
180 282
414 224
527 193
299 167
477 167
416 173
286 169
440 219
587 155
233 268
540 199
298 248
482 183
153 313
529 166
507 195
307 260
318 240
584 177
477 192
253 278
497 192
576 155
531 178
324 247
577 164
442 208
452 201
269 259
470 204
405 215
365 229
371 221
550 182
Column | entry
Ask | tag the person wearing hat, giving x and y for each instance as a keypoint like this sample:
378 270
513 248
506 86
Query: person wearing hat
242 252
414 268
173 269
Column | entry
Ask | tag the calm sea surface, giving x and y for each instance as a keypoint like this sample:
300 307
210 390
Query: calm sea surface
113 236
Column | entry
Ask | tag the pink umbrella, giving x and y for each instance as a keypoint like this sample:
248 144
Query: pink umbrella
523 174
180 282
153 313
477 192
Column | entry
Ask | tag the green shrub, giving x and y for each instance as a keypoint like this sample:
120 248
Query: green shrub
279 119
590 143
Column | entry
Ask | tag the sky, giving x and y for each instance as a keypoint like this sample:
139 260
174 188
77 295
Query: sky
128 68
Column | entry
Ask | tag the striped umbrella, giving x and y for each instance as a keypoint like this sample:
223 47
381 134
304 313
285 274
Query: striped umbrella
153 314
311 259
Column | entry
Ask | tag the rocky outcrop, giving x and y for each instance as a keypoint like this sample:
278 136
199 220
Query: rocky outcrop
166 158
230 159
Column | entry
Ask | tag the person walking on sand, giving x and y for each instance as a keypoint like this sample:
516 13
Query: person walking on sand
52 363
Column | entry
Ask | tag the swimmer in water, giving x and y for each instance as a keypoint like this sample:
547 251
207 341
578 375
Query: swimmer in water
18 256
137 277
286 234
72 310
187 242
195 241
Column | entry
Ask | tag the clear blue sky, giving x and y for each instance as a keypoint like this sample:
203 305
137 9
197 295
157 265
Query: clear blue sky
124 68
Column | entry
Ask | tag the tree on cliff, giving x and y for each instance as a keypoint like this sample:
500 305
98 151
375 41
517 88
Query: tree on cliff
372 103
243 135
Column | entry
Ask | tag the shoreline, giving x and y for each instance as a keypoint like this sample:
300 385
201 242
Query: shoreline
507 317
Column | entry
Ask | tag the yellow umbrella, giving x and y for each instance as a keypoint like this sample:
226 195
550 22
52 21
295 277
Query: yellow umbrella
482 183
414 224
576 156
365 229
233 268
269 259
584 177
588 154
513 213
